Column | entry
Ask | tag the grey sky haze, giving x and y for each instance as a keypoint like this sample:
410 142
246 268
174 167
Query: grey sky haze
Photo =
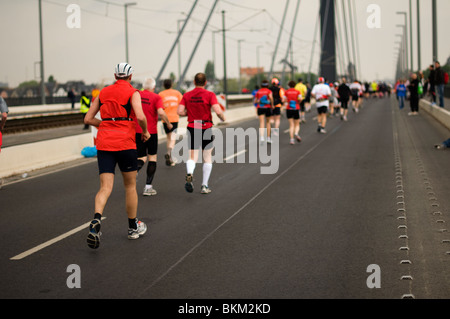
90 52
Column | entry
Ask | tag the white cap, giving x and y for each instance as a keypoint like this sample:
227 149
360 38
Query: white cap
123 70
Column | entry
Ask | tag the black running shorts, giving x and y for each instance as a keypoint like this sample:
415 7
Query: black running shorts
344 104
276 111
322 110
302 106
107 161
266 112
293 114
199 138
174 127
146 148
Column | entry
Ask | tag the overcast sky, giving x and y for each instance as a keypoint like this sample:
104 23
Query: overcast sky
90 52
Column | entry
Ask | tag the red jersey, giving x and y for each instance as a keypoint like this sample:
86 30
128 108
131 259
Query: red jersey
263 97
151 102
115 102
293 97
198 103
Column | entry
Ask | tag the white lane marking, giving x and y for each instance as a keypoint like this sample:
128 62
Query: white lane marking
51 242
235 155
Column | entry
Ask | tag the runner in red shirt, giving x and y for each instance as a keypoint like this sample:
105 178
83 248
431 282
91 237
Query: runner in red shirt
293 99
264 101
153 108
197 105
118 105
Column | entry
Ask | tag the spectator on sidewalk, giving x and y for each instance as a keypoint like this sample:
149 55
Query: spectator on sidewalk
414 94
432 84
71 96
400 90
440 82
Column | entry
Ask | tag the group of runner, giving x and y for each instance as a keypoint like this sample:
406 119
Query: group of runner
126 120
329 98
128 137
376 89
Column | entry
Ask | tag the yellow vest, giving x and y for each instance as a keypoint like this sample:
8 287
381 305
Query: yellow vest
85 103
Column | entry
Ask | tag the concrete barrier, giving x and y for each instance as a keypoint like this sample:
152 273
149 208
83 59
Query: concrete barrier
440 114
20 159
16 160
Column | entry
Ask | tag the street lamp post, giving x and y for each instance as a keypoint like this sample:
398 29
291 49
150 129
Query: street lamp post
239 64
401 56
42 54
126 5
225 86
403 52
179 49
419 52
258 63
411 35
435 30
405 41
406 37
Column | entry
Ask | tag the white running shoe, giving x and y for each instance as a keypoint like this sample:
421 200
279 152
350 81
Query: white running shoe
205 190
149 191
139 231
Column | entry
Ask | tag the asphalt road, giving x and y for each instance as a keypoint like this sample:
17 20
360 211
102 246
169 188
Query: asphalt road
372 191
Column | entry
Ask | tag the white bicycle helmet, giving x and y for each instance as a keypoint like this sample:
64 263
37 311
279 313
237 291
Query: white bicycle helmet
123 70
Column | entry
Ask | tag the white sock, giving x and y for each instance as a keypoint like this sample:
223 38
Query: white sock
190 167
148 186
207 168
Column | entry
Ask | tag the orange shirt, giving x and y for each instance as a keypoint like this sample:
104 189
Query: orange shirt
171 99
95 93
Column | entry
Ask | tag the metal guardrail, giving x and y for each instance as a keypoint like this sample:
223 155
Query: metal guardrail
26 101
42 120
